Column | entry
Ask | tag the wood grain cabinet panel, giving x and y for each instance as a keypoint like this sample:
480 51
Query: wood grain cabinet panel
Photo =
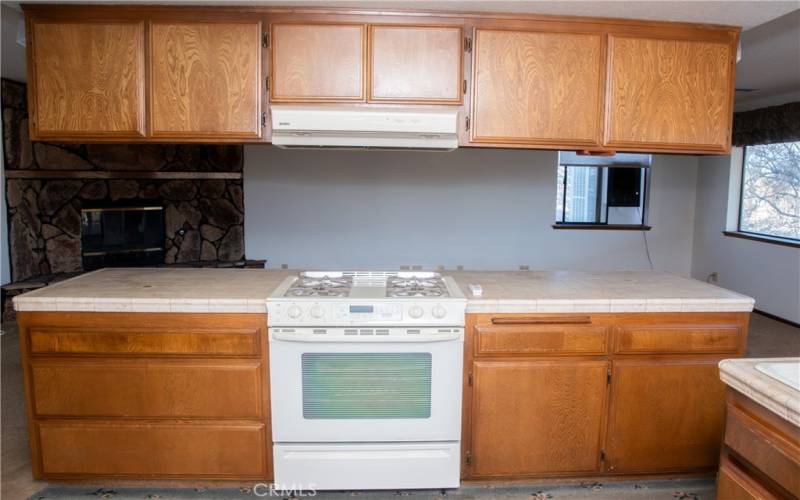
685 338
112 448
416 64
774 453
317 62
146 388
166 341
670 94
541 339
665 416
537 88
206 79
537 417
87 79
734 484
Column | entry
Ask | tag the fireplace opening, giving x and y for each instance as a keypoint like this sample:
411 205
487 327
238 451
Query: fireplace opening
122 236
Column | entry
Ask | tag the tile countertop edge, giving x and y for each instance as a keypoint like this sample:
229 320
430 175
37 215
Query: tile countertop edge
780 399
519 296
585 306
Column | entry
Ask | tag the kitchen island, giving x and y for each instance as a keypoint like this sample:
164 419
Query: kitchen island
566 374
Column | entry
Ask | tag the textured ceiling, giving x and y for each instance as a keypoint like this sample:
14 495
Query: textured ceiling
747 14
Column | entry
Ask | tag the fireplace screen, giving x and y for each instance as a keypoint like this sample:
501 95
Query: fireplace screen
122 236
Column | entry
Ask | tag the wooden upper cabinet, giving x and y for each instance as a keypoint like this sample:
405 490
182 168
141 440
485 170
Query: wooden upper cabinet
665 416
205 79
669 94
537 88
537 417
317 62
416 64
86 79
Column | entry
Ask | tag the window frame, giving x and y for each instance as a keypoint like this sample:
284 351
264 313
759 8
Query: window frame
562 224
739 202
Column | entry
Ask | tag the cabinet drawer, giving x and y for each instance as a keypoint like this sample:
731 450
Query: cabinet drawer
211 450
771 453
146 388
733 483
143 341
540 335
649 339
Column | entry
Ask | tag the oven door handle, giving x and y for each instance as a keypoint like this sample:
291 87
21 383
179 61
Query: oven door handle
367 339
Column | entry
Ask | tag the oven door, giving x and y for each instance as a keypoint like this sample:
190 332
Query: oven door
365 391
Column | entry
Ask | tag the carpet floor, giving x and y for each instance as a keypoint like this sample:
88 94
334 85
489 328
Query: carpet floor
698 489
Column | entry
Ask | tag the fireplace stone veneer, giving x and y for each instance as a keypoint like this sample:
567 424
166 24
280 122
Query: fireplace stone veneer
203 218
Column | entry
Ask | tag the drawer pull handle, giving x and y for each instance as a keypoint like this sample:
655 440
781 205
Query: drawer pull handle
542 320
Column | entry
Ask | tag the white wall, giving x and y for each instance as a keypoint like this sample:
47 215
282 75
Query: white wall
12 62
483 209
12 66
767 272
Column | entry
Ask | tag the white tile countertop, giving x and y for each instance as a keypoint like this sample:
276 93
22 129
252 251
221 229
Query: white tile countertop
776 396
246 290
594 291
158 290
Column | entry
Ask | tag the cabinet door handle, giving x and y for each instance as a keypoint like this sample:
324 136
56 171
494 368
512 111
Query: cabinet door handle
542 320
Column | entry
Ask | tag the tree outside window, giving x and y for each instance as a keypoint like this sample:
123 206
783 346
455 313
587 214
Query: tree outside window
770 200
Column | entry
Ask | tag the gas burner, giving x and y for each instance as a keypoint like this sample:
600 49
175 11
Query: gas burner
416 292
322 283
317 292
322 286
406 286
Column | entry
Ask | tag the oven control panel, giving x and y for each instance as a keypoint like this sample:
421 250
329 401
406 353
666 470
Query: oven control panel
341 313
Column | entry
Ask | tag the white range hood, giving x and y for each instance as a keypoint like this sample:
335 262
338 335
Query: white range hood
354 127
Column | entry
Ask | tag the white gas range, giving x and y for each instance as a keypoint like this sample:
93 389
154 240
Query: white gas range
366 371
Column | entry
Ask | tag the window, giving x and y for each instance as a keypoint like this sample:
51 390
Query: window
770 192
601 190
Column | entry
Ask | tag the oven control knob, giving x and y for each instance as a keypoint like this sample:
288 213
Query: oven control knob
415 311
439 312
294 312
317 312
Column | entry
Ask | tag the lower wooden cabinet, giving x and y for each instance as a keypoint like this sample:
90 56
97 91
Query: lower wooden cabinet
212 450
733 483
761 453
597 394
665 415
157 395
537 417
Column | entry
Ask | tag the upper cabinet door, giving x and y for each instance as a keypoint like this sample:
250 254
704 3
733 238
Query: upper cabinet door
537 89
205 79
317 62
669 94
416 64
87 79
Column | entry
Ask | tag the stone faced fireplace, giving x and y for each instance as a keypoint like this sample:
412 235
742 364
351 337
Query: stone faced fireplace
49 187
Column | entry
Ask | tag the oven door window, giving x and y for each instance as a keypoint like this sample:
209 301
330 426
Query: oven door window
366 385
